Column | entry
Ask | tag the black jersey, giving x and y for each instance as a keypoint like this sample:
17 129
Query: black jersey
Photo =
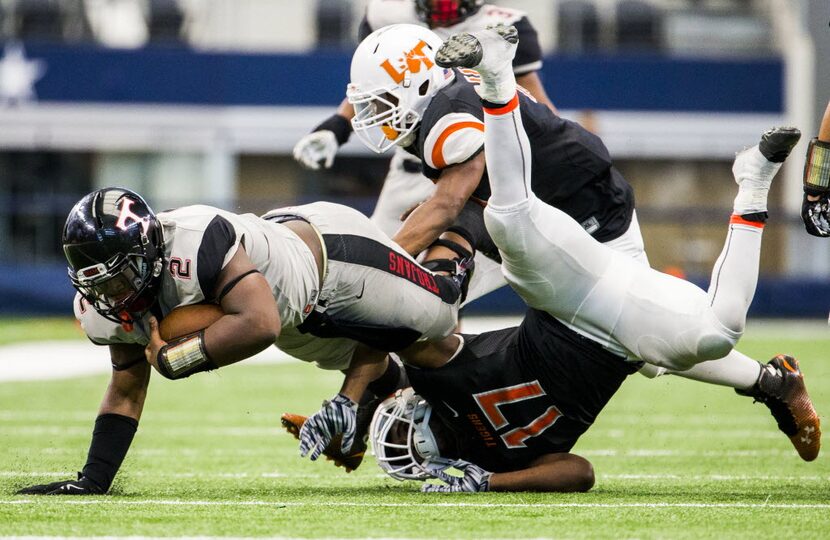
571 167
528 59
513 395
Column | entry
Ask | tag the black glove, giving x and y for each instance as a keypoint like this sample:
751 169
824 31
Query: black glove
816 215
81 486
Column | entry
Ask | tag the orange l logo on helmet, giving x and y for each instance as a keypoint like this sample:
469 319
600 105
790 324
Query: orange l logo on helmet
411 61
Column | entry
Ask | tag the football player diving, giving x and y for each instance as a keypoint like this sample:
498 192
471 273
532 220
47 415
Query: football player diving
304 278
506 407
405 186
435 113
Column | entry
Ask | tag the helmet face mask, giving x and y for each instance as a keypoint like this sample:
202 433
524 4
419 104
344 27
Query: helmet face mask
117 287
442 13
113 244
379 121
393 79
401 439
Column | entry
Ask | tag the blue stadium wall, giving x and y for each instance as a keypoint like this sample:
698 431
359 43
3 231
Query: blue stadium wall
170 76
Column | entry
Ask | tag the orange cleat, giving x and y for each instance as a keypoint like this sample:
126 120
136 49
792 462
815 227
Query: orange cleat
781 388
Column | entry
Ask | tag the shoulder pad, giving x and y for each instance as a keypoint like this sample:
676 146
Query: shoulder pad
102 331
454 138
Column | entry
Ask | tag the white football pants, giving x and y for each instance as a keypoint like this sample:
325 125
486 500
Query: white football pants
555 266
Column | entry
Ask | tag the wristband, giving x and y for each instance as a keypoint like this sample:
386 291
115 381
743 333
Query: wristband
339 125
817 168
111 439
184 357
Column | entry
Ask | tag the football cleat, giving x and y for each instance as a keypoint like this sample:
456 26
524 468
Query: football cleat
490 52
777 143
292 423
781 388
755 167
466 50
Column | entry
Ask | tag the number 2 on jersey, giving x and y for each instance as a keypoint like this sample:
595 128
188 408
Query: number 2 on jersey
490 401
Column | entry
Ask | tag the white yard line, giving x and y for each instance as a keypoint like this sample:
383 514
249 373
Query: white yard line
369 504
689 477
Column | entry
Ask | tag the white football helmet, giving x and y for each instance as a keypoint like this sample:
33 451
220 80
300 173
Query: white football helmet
401 440
393 78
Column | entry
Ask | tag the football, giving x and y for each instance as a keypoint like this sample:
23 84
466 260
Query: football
188 319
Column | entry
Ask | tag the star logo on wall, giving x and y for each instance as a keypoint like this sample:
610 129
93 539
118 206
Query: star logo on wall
18 76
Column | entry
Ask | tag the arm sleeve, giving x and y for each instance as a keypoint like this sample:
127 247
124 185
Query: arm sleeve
529 52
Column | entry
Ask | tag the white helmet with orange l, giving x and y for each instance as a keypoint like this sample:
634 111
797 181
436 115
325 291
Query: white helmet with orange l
393 79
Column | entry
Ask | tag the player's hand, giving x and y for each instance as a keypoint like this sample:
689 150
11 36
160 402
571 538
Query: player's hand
338 416
475 479
816 215
151 351
81 486
316 147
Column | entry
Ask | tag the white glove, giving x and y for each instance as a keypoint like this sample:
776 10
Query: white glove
316 147
475 479
338 416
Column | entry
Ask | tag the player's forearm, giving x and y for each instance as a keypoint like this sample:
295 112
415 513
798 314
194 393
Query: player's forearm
823 136
824 129
238 336
116 424
367 365
346 110
555 473
126 392
425 224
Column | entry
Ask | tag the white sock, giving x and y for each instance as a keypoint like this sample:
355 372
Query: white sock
507 153
754 174
735 370
735 274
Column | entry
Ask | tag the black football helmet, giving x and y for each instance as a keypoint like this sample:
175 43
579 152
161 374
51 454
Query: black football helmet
115 249
440 13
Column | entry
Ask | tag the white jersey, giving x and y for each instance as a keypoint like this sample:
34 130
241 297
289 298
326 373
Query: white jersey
380 13
372 291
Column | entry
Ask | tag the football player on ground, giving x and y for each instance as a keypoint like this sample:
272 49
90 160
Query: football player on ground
304 278
405 186
512 403
435 113
815 210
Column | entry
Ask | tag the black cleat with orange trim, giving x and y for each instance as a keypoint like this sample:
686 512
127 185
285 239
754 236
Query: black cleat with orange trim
781 388
292 423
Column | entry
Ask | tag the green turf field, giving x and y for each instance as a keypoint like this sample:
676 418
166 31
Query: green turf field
674 459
